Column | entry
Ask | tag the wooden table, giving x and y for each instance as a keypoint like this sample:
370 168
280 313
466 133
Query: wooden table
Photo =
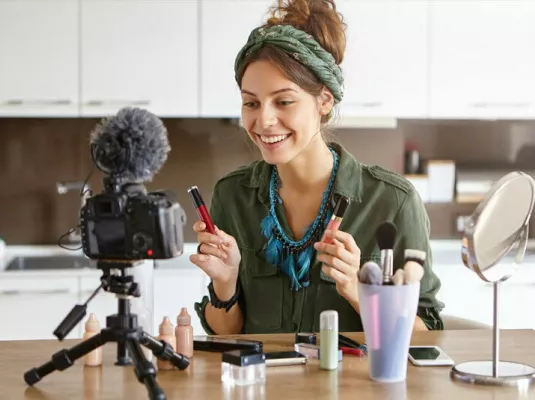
202 379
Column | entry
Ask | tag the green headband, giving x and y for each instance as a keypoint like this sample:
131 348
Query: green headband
302 47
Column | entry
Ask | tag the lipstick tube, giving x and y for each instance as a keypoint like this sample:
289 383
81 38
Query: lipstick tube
201 209
337 217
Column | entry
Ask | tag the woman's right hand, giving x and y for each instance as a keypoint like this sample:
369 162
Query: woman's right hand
220 257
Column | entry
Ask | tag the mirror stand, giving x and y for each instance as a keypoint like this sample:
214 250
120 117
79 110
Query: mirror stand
496 372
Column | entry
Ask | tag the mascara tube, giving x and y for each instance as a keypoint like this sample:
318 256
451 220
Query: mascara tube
336 219
201 209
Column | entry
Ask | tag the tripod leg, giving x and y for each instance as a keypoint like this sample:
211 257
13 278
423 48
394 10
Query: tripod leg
163 350
145 370
63 359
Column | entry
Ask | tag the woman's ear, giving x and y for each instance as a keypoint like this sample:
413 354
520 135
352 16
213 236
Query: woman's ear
326 101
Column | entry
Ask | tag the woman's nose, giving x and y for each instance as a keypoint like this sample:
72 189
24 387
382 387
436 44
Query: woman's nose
267 117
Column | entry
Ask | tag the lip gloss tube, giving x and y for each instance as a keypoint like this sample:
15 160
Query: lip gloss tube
201 209
336 219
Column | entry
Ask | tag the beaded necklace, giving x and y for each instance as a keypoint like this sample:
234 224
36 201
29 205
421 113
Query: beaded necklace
294 257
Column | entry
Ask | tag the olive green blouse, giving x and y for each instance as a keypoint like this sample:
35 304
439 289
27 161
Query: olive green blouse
241 200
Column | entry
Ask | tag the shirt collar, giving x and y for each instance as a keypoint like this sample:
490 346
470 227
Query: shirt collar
347 182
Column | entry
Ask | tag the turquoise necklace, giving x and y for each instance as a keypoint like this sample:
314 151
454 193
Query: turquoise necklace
294 257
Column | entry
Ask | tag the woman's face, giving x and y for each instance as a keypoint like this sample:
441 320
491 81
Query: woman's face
280 117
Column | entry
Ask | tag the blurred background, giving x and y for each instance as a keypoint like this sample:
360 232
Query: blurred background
442 92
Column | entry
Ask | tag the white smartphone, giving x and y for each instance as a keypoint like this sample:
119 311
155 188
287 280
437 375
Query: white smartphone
424 356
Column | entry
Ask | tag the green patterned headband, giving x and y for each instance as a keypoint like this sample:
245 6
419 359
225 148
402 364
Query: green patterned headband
302 47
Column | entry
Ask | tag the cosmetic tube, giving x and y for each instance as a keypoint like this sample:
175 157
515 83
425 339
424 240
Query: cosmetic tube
337 217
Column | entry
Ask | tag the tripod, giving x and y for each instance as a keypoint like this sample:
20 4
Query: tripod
121 328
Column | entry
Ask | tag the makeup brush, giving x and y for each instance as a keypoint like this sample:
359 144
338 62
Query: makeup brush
414 270
399 277
370 273
385 236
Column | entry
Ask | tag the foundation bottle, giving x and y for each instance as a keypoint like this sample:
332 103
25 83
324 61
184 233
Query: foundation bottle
184 334
167 335
92 327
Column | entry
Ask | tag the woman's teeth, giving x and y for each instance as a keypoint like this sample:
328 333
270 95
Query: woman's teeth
273 139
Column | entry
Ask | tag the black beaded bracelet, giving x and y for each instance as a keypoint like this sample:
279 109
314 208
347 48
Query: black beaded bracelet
227 305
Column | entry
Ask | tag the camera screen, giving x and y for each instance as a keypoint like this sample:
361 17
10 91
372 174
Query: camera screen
110 235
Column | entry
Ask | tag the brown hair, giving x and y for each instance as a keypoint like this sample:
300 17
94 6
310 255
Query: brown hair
318 18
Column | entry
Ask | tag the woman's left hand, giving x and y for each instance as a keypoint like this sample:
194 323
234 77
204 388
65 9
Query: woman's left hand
341 262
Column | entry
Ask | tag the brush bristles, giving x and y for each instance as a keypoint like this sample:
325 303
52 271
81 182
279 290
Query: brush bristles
415 255
386 235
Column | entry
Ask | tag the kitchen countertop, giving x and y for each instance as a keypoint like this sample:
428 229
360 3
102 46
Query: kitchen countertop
12 251
445 252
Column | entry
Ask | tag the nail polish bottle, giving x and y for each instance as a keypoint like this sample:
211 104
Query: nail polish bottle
329 340
184 333
167 335
92 327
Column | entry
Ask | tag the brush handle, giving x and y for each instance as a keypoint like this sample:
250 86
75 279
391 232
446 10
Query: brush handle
387 265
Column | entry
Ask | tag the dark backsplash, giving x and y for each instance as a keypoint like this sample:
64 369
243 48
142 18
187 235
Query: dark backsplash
36 153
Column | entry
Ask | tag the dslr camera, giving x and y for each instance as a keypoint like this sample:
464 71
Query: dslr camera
125 222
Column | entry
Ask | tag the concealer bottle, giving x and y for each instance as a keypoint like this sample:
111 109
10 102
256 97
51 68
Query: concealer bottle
92 327
329 340
167 334
184 333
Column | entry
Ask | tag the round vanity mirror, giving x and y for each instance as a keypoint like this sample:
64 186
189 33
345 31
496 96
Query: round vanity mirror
493 246
498 227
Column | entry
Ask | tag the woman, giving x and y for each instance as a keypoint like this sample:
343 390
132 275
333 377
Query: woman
290 80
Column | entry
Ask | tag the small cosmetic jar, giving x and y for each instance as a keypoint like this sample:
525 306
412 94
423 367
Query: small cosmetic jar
243 367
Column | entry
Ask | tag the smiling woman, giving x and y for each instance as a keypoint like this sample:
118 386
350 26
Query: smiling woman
269 272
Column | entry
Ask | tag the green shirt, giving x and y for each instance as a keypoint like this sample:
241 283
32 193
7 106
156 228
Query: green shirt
241 200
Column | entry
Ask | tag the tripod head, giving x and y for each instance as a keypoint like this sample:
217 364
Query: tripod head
113 280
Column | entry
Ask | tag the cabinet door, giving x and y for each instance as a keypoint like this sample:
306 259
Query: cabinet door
38 58
139 53
482 63
225 27
176 289
32 308
385 63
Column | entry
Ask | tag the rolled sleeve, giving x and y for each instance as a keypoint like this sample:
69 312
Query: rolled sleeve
413 227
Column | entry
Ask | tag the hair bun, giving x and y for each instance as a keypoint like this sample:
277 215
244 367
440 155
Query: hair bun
318 18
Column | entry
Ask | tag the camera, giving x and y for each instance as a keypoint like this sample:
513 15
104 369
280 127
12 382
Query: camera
127 223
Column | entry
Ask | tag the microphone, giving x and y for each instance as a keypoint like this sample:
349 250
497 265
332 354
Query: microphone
385 236
130 146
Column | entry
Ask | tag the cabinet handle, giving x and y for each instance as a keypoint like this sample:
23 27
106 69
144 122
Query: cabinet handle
366 104
489 105
99 103
37 102
18 292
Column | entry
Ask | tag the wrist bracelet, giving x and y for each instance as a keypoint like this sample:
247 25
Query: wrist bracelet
227 305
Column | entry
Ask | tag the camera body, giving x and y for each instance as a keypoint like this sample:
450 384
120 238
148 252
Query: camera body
124 222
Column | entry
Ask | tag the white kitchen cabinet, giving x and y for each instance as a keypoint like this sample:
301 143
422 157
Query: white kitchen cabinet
139 53
32 309
39 58
385 63
481 60
225 27
465 295
181 288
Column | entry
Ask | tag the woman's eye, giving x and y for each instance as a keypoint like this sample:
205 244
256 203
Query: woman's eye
285 102
249 104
